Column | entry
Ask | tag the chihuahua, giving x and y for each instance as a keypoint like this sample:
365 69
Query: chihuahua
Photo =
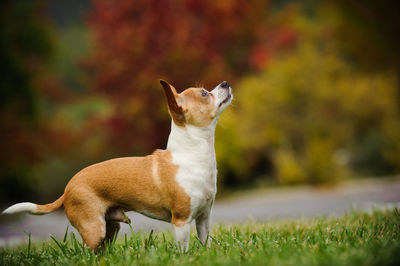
175 185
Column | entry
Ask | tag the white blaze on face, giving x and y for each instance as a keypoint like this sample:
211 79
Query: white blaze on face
197 106
201 108
223 97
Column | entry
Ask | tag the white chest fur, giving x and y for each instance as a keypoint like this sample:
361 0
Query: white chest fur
192 150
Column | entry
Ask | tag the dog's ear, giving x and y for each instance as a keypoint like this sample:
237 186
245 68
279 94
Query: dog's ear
175 109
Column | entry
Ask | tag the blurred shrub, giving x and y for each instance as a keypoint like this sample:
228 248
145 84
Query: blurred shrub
314 117
48 130
289 169
186 42
25 47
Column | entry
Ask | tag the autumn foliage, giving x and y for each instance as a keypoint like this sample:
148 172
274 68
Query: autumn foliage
186 42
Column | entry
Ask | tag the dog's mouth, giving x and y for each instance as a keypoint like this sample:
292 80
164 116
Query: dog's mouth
228 97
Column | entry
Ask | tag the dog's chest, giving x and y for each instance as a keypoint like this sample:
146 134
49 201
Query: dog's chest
197 176
193 152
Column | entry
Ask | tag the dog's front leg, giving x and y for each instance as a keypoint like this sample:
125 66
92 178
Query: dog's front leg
203 225
182 236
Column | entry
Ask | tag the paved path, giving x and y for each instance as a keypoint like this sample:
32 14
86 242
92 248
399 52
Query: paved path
261 205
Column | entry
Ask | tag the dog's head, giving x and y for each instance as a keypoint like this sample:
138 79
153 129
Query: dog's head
197 106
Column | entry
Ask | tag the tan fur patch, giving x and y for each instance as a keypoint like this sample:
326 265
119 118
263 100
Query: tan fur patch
128 183
199 110
51 206
190 106
175 110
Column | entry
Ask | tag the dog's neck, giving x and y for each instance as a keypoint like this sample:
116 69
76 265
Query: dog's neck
194 142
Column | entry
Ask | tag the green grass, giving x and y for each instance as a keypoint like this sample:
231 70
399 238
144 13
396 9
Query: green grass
354 239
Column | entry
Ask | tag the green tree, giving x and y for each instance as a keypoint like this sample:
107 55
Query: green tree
312 116
367 32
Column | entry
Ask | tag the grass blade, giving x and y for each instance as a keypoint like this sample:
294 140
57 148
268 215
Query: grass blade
66 234
29 245
63 248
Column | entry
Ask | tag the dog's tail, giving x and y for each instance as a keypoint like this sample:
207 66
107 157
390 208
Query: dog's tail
33 208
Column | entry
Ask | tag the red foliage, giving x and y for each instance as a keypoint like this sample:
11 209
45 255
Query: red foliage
184 41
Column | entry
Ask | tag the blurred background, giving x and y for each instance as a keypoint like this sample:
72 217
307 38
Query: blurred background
316 85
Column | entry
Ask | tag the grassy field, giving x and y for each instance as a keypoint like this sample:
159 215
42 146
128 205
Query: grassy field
354 239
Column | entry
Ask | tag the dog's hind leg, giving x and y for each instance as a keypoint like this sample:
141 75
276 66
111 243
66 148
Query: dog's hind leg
114 216
92 232
112 229
89 220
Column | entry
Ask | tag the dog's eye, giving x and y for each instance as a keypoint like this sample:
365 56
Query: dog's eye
204 93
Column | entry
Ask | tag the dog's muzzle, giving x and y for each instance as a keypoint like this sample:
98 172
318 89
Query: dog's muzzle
224 85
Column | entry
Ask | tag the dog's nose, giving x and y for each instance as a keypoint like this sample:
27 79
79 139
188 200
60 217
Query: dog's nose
224 84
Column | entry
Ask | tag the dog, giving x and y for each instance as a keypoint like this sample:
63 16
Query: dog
176 185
